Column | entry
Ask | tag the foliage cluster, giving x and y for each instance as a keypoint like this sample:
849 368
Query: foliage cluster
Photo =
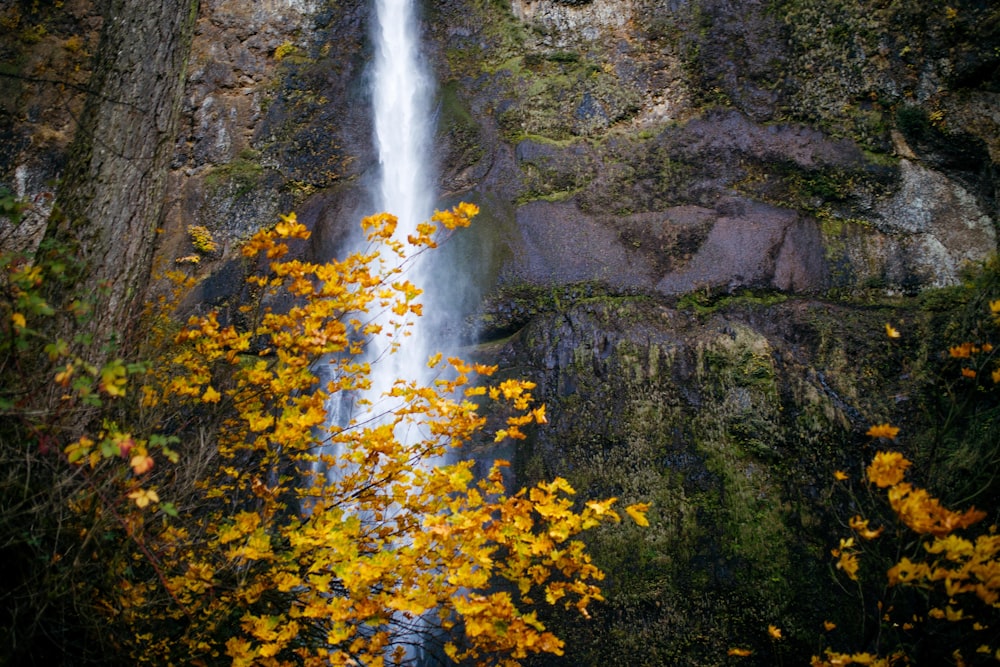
219 519
938 599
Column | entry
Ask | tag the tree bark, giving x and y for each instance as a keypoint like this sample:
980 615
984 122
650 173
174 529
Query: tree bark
111 199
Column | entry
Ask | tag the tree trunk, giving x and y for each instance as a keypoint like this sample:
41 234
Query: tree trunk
111 200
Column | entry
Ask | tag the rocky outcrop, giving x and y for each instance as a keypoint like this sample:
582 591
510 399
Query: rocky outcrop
597 142
730 417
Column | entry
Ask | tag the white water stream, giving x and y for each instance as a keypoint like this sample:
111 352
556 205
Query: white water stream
402 91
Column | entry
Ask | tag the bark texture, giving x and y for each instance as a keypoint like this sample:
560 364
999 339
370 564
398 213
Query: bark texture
113 193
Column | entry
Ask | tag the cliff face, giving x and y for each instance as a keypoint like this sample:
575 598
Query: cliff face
722 126
697 217
795 145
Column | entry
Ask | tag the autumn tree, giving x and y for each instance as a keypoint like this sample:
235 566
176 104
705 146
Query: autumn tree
232 524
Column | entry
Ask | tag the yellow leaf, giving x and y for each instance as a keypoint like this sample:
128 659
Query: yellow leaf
637 512
883 431
144 497
211 396
141 464
890 331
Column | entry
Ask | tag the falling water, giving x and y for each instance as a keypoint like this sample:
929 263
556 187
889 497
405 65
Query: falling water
401 96
402 91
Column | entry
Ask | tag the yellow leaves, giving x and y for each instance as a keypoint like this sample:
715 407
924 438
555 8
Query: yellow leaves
887 468
955 572
638 513
860 526
243 524
256 546
835 659
468 211
493 623
380 226
241 651
774 632
957 565
64 376
141 464
144 497
883 431
739 652
18 320
79 449
925 515
602 508
517 391
460 216
840 475
113 378
948 613
953 547
963 351
304 543
891 331
847 559
289 227
906 571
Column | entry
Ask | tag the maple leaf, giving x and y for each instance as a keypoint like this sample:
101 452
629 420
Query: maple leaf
887 469
883 431
141 464
638 513
143 497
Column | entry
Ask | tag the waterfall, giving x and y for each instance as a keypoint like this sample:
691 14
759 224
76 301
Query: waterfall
401 92
401 97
